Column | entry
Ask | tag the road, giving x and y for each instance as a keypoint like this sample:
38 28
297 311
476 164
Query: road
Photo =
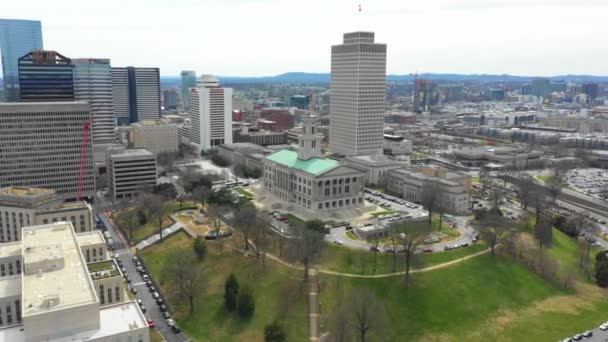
598 336
125 255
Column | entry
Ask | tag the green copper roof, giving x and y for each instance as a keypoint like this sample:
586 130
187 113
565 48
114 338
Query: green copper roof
315 166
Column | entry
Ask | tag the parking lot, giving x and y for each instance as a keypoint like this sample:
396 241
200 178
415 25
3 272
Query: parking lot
589 181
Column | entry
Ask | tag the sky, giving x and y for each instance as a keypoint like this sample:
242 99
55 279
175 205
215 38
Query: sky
269 37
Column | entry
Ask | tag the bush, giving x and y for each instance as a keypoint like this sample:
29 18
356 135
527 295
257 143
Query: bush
246 305
199 247
231 290
219 160
601 269
274 333
166 190
142 218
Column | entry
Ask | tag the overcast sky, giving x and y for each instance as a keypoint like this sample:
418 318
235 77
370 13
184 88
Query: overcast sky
268 37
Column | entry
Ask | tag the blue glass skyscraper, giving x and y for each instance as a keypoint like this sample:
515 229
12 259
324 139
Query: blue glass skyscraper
188 81
17 38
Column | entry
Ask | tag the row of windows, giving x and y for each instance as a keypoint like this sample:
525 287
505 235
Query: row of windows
110 298
7 318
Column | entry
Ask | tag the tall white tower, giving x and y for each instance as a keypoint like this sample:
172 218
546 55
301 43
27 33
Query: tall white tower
357 103
310 140
210 114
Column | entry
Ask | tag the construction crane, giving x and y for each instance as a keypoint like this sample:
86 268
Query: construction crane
84 147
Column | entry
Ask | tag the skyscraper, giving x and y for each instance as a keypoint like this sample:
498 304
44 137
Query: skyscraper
210 114
41 145
46 76
136 93
93 83
358 81
541 87
592 90
17 37
188 81
169 99
424 96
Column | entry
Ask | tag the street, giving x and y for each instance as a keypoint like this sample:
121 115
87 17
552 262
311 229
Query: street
125 255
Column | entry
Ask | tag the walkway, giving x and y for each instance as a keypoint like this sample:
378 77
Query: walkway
313 305
152 239
385 275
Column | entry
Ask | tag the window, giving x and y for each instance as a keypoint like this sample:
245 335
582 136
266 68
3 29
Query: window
2 270
0 316
101 295
346 189
117 293
10 269
18 264
94 253
18 310
9 317
88 255
110 295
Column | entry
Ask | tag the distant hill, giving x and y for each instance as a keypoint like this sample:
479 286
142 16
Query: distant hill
323 78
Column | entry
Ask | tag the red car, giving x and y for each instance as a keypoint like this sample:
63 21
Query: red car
151 323
428 250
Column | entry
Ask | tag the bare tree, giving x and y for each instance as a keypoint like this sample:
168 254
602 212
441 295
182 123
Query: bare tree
166 160
525 185
554 184
306 247
366 314
410 238
214 215
201 194
497 194
375 249
339 325
186 272
245 218
128 220
585 263
543 233
394 243
493 229
155 207
430 197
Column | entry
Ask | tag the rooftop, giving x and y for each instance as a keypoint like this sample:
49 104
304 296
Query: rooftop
10 287
55 275
314 166
10 249
131 152
93 237
103 269
24 191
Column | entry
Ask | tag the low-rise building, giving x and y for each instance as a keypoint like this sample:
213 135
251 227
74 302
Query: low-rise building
51 295
375 167
259 136
309 180
396 145
505 157
246 154
154 136
453 195
130 171
21 206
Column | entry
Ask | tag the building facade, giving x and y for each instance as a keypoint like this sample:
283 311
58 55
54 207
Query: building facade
188 81
169 99
424 96
210 114
310 181
130 171
136 94
93 83
453 196
358 81
154 136
48 281
41 147
45 76
17 38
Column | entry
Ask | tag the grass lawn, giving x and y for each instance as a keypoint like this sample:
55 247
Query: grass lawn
155 336
276 291
384 213
543 178
342 259
457 303
244 192
151 227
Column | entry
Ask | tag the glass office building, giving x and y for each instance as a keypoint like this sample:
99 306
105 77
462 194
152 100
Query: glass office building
17 38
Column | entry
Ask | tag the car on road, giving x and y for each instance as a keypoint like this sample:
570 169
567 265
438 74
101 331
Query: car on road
464 244
163 308
139 269
133 290
577 337
339 242
135 258
143 308
170 322
140 302
151 323
166 314
152 289
155 295
159 301
447 247
176 329
604 326
588 333
374 249
428 250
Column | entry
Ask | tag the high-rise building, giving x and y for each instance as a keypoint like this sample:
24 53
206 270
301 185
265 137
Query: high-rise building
210 114
592 90
154 136
300 101
170 99
41 147
136 93
541 87
46 76
424 96
17 37
358 81
93 83
188 81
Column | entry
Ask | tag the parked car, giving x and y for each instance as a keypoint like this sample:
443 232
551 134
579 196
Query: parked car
374 249
588 333
152 289
133 290
151 323
428 250
159 301
577 337
163 308
170 322
155 295
604 326
176 329
339 242
166 314
143 308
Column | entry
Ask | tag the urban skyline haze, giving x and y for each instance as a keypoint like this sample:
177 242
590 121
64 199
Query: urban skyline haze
268 37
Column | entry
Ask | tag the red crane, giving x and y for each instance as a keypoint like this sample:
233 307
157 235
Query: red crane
84 147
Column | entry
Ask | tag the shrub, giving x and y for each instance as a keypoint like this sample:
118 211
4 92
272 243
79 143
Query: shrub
246 305
274 333
231 290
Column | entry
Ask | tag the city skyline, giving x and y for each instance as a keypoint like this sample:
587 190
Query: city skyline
492 37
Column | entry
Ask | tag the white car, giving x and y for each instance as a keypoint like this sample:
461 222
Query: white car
604 326
339 242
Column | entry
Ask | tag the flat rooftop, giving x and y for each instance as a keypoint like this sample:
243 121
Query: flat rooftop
10 249
113 320
314 166
132 152
55 274
24 191
93 237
